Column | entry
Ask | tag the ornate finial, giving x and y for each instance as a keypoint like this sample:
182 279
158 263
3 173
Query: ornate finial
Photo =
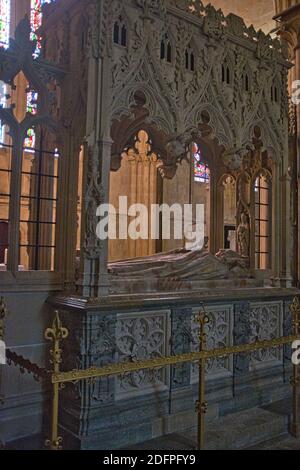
203 320
56 334
3 315
295 309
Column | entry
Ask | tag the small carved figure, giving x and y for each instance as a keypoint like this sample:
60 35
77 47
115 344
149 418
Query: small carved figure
243 236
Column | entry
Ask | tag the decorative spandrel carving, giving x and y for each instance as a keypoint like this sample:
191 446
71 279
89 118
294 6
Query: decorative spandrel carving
153 7
218 335
233 159
266 322
142 336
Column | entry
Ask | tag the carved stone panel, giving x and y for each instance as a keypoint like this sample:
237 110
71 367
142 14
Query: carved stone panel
100 333
219 335
266 322
140 336
91 342
181 344
241 335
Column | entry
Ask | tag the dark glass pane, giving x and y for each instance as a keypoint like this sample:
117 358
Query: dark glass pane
192 62
162 50
116 33
186 60
124 36
169 53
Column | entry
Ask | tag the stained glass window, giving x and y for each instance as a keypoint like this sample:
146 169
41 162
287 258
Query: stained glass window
31 108
4 22
3 99
201 170
32 98
263 222
36 17
4 42
29 143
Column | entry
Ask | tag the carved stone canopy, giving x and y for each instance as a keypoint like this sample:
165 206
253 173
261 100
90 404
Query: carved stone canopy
171 100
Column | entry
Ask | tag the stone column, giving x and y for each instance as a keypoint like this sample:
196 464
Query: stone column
132 198
93 280
153 200
66 235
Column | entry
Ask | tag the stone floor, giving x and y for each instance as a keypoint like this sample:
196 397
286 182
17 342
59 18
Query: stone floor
178 442
263 428
288 443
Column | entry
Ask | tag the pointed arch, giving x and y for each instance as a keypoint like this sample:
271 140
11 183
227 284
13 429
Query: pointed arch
120 28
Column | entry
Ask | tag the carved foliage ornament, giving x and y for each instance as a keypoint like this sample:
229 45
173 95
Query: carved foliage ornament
94 197
139 338
217 336
174 96
265 324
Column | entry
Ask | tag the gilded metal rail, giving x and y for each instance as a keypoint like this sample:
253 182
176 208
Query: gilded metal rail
122 368
25 365
57 333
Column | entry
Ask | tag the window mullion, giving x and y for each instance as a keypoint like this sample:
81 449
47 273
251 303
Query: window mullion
14 206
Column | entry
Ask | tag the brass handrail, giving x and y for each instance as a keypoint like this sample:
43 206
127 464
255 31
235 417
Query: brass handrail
121 368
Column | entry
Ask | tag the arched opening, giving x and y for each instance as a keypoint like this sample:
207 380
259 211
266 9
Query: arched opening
263 221
166 49
229 212
120 32
201 188
3 242
6 150
38 203
137 182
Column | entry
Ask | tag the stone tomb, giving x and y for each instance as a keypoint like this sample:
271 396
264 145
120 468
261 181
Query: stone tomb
121 411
